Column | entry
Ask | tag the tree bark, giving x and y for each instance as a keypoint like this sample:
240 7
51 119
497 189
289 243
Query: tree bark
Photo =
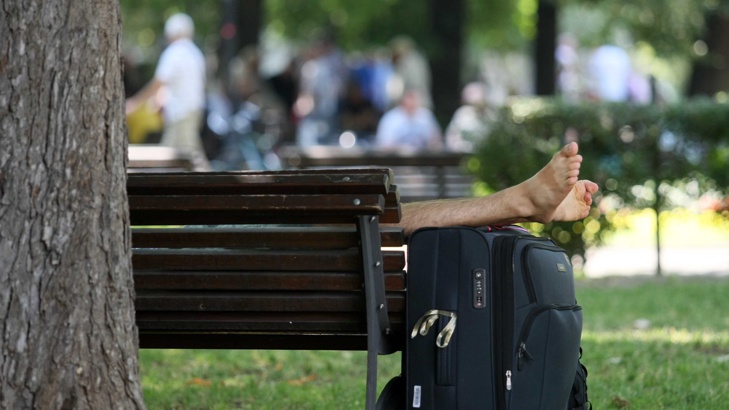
68 338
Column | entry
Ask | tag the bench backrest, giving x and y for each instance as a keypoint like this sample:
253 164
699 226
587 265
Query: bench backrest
158 158
419 175
276 260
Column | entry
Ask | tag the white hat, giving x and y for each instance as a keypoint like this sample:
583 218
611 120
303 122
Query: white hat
179 25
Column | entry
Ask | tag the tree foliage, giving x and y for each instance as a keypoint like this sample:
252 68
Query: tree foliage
671 28
143 20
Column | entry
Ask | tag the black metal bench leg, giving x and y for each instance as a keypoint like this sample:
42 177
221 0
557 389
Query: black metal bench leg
378 323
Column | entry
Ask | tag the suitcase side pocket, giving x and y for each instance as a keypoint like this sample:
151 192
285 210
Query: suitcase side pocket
546 355
547 273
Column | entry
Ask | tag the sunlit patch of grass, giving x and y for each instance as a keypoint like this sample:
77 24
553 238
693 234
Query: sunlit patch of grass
671 335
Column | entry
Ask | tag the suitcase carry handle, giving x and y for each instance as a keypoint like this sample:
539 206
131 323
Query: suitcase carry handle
423 325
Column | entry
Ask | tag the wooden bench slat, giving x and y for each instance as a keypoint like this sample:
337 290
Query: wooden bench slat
232 340
241 217
331 237
341 322
201 210
256 183
254 301
246 259
265 204
216 280
347 260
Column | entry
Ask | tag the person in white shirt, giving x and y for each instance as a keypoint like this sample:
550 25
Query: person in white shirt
409 125
180 79
609 71
472 121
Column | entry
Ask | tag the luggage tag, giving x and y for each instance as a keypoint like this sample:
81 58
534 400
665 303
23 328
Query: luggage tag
423 325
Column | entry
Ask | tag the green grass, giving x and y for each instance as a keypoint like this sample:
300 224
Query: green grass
258 379
681 361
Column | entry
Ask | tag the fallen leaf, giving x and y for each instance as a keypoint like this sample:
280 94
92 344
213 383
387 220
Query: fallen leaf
197 381
302 381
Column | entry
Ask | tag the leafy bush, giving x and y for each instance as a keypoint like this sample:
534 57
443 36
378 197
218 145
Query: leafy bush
642 156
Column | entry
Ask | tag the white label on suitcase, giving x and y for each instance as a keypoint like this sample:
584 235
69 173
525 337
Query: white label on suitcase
416 397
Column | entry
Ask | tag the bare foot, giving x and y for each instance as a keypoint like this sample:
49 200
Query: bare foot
549 187
576 205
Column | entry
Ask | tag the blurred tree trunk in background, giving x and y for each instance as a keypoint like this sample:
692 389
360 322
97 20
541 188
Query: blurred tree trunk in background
545 44
241 23
69 339
710 74
446 56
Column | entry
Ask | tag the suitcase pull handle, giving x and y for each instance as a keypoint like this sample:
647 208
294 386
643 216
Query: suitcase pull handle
423 325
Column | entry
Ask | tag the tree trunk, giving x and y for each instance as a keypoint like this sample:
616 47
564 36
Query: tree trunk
545 46
66 293
240 27
447 20
710 74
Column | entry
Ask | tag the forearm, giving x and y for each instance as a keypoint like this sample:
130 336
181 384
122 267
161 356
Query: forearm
501 208
149 90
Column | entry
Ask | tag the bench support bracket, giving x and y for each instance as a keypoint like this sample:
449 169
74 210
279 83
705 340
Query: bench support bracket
378 323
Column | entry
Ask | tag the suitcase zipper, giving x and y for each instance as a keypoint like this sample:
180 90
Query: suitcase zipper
522 352
503 275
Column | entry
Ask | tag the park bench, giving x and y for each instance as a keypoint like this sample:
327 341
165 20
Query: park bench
419 175
269 260
157 158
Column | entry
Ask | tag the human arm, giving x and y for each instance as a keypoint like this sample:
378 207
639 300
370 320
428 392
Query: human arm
148 91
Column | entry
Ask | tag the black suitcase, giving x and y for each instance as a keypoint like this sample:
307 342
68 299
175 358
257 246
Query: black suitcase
494 320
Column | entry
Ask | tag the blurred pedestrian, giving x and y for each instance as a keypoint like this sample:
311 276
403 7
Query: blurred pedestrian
180 78
322 84
569 77
471 121
412 71
609 70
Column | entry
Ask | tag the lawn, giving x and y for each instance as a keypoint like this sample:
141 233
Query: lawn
649 343
656 343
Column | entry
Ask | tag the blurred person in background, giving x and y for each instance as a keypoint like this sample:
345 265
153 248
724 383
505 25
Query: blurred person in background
358 114
322 83
608 70
471 121
409 125
411 70
144 124
179 80
569 71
